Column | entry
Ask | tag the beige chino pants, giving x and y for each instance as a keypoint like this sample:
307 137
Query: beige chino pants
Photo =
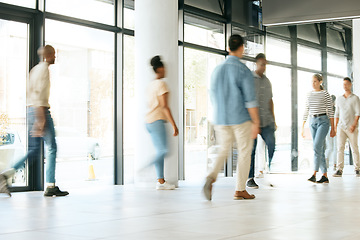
242 135
342 135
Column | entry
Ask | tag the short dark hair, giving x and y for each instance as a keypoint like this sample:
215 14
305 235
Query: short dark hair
260 56
347 79
235 41
156 63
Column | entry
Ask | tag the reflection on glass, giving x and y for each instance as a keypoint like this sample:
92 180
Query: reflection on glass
200 141
92 10
309 58
337 64
280 79
305 154
278 50
129 108
308 32
204 32
81 100
334 40
254 42
13 74
22 3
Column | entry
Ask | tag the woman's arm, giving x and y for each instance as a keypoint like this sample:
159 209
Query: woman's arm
163 100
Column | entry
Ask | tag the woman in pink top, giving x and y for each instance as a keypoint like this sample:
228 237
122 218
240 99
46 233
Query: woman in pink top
158 113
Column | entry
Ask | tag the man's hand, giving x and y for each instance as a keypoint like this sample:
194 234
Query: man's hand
352 128
332 133
255 130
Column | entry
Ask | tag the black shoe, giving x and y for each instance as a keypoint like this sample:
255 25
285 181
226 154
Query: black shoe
252 184
55 191
312 179
323 180
357 172
4 185
338 173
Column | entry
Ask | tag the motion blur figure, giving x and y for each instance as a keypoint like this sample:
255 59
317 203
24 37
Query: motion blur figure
40 124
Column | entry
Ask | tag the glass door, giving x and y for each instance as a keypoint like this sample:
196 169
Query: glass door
14 62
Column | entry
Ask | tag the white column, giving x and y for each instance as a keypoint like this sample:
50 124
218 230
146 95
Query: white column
356 56
156 33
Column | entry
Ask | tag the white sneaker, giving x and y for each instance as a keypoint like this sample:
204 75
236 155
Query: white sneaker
164 186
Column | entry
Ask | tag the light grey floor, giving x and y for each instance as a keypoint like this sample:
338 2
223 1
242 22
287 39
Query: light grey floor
293 209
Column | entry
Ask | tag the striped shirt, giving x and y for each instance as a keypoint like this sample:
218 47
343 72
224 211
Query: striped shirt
318 103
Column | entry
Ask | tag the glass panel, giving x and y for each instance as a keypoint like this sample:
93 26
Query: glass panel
282 30
281 86
22 3
93 10
129 108
334 39
250 65
254 42
204 32
82 101
337 64
309 58
200 142
208 5
335 86
305 159
13 75
308 32
278 50
129 18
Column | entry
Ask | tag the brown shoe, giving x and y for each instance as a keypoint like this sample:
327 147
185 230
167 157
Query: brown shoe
239 195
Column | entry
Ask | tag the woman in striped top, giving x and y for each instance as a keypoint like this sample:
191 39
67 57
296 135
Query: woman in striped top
319 107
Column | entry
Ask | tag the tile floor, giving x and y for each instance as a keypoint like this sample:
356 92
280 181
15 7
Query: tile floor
293 209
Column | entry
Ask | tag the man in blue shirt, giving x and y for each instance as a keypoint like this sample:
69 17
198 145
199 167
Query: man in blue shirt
236 115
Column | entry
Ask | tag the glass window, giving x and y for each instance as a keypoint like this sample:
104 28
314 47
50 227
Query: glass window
309 58
208 5
281 30
335 86
129 14
308 32
129 108
280 79
254 42
82 101
278 50
337 64
305 145
249 64
200 141
13 74
22 3
334 39
92 10
204 32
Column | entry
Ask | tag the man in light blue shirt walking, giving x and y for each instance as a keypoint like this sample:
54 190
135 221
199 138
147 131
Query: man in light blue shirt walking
236 115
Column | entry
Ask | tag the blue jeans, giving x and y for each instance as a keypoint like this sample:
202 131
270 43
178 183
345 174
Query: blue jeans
319 127
268 134
34 144
158 135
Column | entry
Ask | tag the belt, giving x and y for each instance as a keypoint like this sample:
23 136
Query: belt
318 115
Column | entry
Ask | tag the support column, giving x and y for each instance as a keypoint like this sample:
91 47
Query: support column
356 56
156 33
